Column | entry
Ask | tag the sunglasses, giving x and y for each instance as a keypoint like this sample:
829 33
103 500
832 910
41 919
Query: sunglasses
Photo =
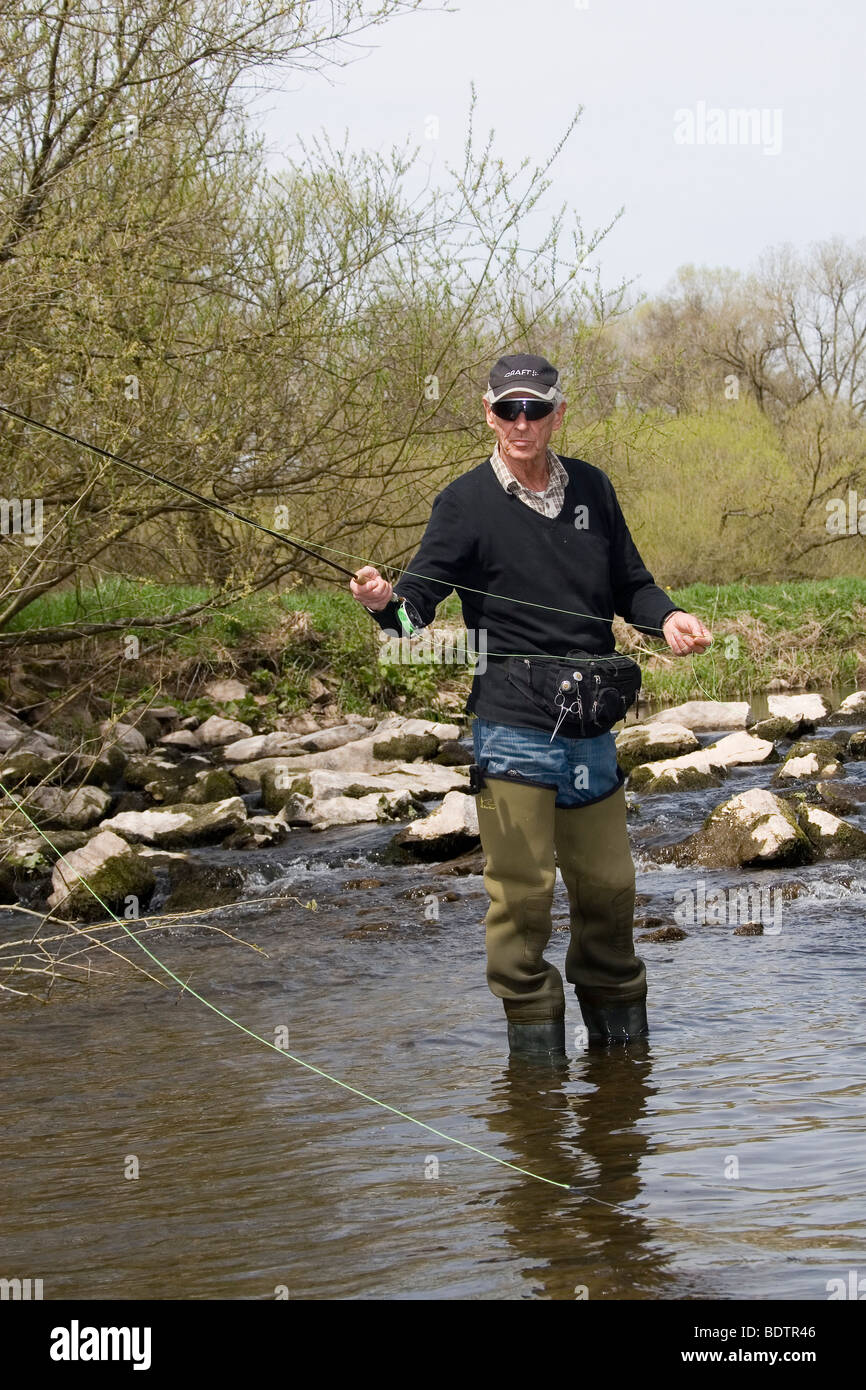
532 409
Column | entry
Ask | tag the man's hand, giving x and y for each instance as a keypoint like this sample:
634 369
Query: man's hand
369 588
685 633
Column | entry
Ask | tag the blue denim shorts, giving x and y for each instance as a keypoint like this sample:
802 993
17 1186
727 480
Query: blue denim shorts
580 769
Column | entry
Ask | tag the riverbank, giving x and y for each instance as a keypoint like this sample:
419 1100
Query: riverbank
316 649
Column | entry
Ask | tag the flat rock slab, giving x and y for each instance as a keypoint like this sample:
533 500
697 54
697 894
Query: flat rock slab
707 714
215 732
652 742
181 824
422 781
691 772
809 708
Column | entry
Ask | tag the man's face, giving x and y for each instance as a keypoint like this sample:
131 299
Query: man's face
523 440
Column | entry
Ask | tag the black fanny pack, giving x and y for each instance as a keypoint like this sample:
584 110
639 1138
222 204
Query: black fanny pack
584 695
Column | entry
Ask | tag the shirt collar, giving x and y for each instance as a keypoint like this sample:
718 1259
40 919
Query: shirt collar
555 470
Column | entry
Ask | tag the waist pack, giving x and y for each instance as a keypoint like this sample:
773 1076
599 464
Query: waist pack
584 695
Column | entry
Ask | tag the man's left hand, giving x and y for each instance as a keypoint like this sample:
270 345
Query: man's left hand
685 633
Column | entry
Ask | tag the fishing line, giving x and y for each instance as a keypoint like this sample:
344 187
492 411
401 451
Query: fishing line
345 1085
309 1066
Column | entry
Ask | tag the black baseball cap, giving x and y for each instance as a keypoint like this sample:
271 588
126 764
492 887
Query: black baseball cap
531 376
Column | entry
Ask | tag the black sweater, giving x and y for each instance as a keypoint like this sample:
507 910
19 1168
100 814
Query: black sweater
480 537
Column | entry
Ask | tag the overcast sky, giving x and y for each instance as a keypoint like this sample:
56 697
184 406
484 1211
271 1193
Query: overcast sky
657 82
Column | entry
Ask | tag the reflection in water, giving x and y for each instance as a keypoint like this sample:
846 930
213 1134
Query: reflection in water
578 1122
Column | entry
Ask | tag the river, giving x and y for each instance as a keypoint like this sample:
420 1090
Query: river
151 1150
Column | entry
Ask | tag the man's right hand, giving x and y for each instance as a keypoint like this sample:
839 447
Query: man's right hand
369 588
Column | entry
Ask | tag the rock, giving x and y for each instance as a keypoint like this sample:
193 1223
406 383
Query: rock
664 934
318 692
832 837
194 886
453 754
406 748
72 810
153 767
754 828
854 704
280 784
841 797
211 784
856 746
706 714
124 735
749 929
192 722
216 731
334 737
653 742
345 810
21 767
777 683
691 772
113 870
224 692
810 765
146 722
851 711
259 832
468 864
260 746
816 757
449 831
304 723
181 824
103 768
181 738
779 727
166 713
742 749
811 709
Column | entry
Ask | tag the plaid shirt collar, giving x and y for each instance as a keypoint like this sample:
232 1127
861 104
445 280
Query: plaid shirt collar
548 503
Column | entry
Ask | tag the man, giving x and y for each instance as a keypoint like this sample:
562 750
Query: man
538 550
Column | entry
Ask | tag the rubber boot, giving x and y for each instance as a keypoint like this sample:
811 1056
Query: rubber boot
538 1041
596 865
614 1023
516 823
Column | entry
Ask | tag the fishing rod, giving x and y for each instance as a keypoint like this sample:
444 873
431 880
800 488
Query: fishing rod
178 487
406 621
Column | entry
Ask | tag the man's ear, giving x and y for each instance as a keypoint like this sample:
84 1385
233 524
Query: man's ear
559 415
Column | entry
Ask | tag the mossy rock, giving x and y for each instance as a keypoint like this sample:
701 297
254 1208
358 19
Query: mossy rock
776 727
836 745
195 887
17 769
684 779
856 745
406 748
213 785
279 789
453 754
120 878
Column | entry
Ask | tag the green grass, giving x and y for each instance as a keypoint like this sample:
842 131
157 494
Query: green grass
806 632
